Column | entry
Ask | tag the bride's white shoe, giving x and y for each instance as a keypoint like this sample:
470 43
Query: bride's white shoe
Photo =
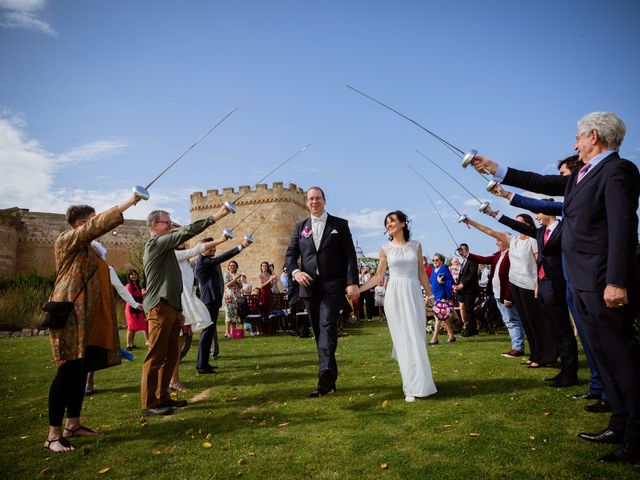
409 398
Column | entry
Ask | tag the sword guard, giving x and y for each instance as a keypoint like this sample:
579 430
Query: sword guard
470 155
230 206
140 192
483 206
491 185
228 233
462 219
249 238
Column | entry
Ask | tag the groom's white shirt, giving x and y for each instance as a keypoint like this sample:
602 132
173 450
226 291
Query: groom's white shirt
317 226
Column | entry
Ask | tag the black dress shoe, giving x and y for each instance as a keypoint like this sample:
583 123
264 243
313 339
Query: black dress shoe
467 333
601 406
321 391
627 453
563 382
206 370
603 436
174 403
585 396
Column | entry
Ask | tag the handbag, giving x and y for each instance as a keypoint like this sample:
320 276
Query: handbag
57 313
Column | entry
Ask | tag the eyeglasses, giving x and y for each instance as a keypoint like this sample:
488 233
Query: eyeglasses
435 259
166 222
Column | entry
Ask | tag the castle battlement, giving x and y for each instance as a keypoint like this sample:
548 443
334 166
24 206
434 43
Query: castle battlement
213 198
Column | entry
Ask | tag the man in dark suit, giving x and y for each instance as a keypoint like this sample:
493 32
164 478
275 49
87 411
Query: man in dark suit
328 265
600 235
469 289
208 273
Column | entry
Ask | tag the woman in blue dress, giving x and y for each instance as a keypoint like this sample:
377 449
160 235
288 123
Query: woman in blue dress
441 285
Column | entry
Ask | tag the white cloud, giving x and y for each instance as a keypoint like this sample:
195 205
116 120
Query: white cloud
90 151
366 219
28 175
24 14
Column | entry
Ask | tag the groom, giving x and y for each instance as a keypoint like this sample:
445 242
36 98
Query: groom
328 264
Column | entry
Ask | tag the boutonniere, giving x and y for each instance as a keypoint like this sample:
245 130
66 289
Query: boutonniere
307 232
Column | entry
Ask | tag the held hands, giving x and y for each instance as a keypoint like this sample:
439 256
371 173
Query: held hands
615 297
353 291
484 165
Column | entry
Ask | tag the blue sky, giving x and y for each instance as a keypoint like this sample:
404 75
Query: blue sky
98 96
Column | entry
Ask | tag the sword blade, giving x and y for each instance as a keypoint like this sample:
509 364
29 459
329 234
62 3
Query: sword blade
455 149
276 169
435 190
448 175
191 147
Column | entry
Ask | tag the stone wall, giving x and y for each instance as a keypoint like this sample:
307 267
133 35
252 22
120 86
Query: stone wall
281 208
27 240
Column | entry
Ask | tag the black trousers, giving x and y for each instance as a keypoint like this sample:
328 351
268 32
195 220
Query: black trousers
209 336
323 309
616 353
469 300
559 338
529 312
67 391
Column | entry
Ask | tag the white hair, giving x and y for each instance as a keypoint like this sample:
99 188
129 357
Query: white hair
610 128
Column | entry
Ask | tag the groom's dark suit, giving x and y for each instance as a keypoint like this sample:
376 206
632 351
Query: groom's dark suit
599 239
332 267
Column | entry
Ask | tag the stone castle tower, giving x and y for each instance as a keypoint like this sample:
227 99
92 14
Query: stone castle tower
279 209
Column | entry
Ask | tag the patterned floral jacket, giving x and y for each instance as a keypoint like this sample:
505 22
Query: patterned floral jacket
75 261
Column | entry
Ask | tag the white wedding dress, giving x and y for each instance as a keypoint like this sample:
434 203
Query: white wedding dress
404 308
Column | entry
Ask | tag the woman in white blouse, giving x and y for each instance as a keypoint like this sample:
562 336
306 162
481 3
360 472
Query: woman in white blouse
523 277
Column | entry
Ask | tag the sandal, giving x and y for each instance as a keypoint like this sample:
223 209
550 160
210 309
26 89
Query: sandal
76 432
179 387
62 441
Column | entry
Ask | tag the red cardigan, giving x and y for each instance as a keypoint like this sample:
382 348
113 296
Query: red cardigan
503 274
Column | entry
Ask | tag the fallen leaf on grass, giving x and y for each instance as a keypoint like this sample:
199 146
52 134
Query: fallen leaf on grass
169 449
373 377
546 414
447 426
241 461
103 470
531 437
206 445
231 399
474 387
474 434
43 472
350 399
384 466
143 421
283 424
24 437
155 452
385 404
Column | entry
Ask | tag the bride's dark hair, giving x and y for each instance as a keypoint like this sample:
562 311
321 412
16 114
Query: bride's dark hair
401 218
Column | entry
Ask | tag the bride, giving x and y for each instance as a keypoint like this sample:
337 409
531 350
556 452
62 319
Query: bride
404 305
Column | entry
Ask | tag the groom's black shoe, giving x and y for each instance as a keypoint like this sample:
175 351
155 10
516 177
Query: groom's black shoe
321 391
603 436
627 453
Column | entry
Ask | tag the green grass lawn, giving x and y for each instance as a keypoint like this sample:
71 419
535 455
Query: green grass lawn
491 418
